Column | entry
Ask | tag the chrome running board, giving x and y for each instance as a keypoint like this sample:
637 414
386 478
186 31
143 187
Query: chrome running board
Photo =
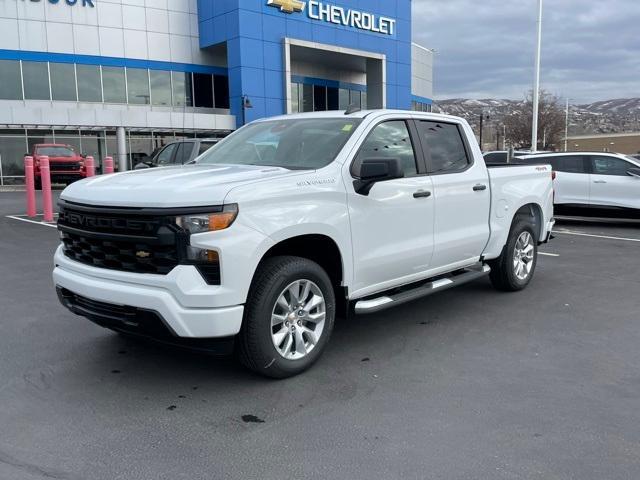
383 302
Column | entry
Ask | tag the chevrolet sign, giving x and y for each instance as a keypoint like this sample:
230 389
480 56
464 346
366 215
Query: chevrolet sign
325 12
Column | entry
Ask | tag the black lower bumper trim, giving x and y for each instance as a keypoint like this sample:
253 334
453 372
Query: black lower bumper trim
140 323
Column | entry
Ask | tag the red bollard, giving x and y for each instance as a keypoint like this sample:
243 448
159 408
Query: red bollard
47 198
90 166
107 165
29 181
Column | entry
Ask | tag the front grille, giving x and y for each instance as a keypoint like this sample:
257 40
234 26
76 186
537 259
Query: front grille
128 256
64 167
129 239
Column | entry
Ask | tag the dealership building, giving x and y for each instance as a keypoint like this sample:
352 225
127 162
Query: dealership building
124 77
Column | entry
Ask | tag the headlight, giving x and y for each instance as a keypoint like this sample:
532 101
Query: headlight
209 222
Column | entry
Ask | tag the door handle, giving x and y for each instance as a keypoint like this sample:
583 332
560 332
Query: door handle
479 188
599 181
422 194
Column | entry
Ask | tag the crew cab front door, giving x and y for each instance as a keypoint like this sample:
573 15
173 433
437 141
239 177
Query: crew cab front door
461 195
392 226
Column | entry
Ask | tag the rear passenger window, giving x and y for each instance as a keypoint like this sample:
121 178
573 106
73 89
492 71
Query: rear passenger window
390 140
572 164
611 166
183 154
445 147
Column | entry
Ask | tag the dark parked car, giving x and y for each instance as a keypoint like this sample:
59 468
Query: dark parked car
178 153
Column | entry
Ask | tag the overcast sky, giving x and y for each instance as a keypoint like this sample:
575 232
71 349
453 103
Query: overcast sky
486 48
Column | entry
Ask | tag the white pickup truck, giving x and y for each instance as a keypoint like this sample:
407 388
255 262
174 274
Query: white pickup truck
256 245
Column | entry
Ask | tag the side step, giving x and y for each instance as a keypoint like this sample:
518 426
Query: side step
424 290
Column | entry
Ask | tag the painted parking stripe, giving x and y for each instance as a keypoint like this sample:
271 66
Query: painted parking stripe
606 237
548 254
14 217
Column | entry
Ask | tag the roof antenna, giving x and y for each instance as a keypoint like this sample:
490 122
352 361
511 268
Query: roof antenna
353 108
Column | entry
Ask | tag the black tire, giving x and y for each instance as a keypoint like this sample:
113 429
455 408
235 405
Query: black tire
503 275
256 348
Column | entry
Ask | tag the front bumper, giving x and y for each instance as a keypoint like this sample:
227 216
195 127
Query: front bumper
182 300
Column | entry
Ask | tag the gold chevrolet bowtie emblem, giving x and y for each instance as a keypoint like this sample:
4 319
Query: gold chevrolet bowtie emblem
288 6
143 254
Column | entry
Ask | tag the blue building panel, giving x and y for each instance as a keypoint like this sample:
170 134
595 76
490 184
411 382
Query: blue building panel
254 31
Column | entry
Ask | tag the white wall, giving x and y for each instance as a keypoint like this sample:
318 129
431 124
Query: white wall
163 30
421 71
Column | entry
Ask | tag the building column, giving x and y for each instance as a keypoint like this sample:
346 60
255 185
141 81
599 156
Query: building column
376 83
121 140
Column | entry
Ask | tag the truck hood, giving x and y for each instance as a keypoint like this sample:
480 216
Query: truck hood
181 186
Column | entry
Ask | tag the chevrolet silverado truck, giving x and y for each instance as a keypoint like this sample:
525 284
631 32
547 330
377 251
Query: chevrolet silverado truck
65 165
256 245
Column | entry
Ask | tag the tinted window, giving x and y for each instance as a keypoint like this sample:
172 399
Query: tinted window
569 164
319 98
36 80
160 87
10 82
89 87
445 146
496 157
202 90
165 157
114 85
344 99
307 98
204 146
221 89
295 97
183 154
138 86
390 140
611 166
63 82
294 144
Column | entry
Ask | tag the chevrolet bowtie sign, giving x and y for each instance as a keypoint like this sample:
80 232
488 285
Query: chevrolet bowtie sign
325 12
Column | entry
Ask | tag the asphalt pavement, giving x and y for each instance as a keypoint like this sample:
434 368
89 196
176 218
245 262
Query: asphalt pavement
468 384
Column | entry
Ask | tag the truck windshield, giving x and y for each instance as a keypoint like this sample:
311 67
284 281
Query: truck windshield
296 144
56 151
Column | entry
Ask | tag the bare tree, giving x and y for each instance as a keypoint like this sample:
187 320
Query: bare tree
551 122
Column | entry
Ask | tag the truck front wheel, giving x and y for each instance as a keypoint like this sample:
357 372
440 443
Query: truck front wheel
289 317
514 269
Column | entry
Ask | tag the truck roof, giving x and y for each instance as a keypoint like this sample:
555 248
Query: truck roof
363 114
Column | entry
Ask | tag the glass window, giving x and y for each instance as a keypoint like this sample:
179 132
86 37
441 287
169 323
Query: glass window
182 95
445 146
202 90
363 102
319 98
183 154
89 85
333 99
390 140
12 150
63 82
165 157
344 99
36 80
611 166
221 90
160 87
307 98
568 164
113 82
356 99
295 97
10 80
496 157
138 86
57 151
293 144
204 146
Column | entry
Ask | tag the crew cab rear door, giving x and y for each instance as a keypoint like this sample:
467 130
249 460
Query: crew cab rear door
392 226
461 194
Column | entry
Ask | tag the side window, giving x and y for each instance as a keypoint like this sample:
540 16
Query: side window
496 157
445 146
204 146
183 154
610 166
165 156
570 164
390 140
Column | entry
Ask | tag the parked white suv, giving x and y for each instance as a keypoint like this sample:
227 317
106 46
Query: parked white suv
289 219
594 183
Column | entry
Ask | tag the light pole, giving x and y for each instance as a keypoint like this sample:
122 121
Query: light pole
566 128
536 85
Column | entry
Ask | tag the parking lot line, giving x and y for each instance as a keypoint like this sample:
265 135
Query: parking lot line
15 217
549 254
606 237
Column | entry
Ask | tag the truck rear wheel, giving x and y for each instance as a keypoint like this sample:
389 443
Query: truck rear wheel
514 269
288 318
